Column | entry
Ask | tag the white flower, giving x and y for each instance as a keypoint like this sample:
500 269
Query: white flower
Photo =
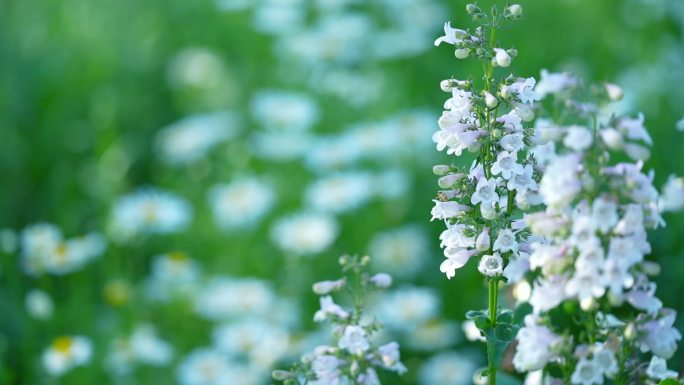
39 305
451 35
326 368
204 367
66 353
490 100
604 214
672 196
173 275
612 138
680 125
259 341
407 307
634 128
456 258
447 368
578 138
659 336
523 181
339 193
327 287
329 309
482 242
501 57
455 237
506 241
223 298
193 137
605 359
146 347
506 165
354 340
524 88
614 91
585 285
552 83
537 346
626 249
515 9
390 357
149 211
381 280
305 233
485 192
548 293
642 296
587 372
400 251
284 111
512 142
657 369
491 265
616 275
511 122
242 202
560 185
518 265
447 210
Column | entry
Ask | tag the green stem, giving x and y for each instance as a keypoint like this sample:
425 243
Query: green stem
493 303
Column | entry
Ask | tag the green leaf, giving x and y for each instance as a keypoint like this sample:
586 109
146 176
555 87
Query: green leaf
670 381
498 339
472 314
505 316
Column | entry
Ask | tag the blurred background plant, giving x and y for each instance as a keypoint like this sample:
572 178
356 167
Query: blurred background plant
177 174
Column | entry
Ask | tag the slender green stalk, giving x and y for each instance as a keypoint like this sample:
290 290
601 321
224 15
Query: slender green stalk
493 303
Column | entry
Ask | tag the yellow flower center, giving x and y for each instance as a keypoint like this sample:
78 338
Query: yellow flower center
62 344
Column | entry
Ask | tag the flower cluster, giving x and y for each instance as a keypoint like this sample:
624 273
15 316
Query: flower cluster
355 357
594 310
481 205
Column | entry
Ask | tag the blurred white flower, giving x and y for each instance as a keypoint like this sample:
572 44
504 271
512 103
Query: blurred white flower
552 83
66 353
39 305
43 250
407 307
447 368
196 67
277 110
172 275
224 297
191 138
672 196
305 233
354 340
657 369
143 347
586 372
401 252
278 17
260 342
204 367
537 345
241 202
340 192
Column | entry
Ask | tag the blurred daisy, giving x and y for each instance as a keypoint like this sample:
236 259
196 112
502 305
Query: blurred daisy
672 196
173 275
191 138
278 17
225 297
196 67
44 250
261 343
39 305
66 353
241 202
142 347
305 233
407 307
400 252
339 193
281 146
149 211
279 110
204 367
448 368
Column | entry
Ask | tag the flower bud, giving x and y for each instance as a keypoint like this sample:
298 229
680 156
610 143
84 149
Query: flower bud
614 91
496 133
448 181
446 85
472 9
501 57
612 138
483 240
630 332
326 287
505 92
441 169
462 53
488 212
381 280
490 100
515 10
281 375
